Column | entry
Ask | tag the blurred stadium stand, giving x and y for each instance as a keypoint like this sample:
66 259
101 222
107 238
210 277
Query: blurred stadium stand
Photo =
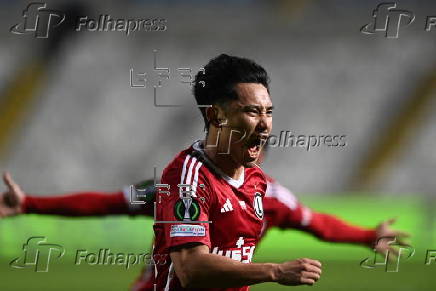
86 128
70 121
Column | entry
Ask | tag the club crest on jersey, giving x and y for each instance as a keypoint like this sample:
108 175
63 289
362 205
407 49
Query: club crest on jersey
258 206
187 209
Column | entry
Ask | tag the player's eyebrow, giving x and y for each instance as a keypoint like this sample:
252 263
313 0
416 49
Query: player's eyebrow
257 107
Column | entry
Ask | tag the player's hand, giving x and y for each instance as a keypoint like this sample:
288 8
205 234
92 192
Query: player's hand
11 201
298 272
385 237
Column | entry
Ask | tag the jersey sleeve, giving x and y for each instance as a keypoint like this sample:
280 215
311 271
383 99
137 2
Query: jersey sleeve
183 203
284 210
333 229
77 204
132 200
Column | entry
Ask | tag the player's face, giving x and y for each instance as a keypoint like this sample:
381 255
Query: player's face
251 115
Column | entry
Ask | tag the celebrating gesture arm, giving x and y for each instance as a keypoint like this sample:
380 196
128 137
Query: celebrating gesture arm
14 201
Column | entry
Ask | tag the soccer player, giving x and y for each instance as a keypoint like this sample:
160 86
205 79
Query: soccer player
209 207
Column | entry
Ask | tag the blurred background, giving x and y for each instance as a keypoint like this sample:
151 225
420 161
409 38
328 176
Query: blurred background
76 114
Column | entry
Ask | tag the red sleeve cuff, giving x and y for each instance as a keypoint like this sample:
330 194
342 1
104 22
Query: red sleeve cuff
369 237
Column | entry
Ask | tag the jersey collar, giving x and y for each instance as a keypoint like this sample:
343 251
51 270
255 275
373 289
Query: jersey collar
199 148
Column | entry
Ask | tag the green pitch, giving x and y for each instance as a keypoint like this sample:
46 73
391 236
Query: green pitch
341 268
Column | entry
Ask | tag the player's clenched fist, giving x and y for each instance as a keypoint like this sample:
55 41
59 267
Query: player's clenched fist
12 199
298 272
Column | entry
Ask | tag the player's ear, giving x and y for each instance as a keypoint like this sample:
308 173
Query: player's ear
213 116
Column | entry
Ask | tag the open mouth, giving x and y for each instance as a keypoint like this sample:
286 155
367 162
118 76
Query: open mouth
255 144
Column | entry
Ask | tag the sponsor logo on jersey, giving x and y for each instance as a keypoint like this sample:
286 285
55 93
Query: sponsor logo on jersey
187 230
257 204
243 254
227 206
243 205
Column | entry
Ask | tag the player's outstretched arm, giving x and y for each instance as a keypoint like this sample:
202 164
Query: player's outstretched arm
330 228
14 201
285 211
196 267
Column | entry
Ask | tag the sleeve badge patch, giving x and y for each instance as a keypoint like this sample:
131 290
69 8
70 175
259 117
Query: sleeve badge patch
187 209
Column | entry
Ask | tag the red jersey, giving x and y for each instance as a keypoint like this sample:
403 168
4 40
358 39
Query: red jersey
281 209
220 212
284 210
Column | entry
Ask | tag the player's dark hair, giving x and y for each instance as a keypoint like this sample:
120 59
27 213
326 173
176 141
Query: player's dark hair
216 84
